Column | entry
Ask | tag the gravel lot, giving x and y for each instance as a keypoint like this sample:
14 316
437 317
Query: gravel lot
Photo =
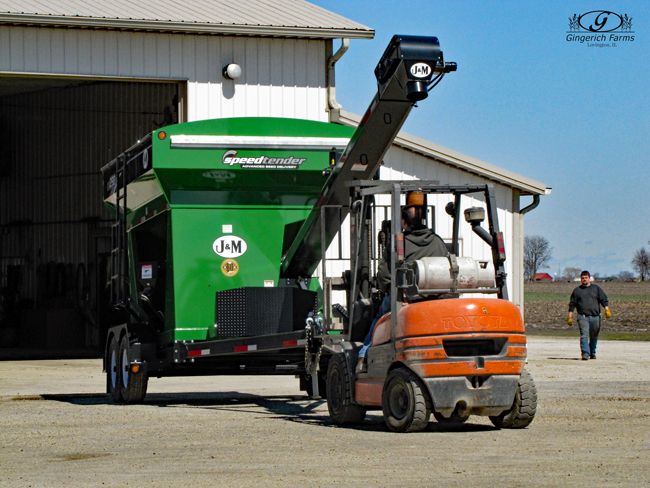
58 430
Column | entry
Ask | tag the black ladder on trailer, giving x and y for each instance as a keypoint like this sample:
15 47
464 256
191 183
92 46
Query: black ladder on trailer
119 239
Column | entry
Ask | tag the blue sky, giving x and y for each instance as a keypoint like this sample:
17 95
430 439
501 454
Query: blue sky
572 116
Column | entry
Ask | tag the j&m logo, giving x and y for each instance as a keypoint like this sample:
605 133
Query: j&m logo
600 28
229 246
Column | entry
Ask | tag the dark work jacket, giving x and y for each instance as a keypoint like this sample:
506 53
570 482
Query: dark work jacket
419 242
588 299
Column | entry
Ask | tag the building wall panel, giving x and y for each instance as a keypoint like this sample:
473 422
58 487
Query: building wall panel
281 77
5 54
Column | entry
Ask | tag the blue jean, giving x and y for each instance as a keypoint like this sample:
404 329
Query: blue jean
589 330
384 308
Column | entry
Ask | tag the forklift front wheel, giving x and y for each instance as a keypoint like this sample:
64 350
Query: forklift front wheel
405 402
339 393
133 386
113 377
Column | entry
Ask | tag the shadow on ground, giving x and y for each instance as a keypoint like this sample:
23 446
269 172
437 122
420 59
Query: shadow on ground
288 408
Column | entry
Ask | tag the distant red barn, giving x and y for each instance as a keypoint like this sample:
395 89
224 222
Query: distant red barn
543 277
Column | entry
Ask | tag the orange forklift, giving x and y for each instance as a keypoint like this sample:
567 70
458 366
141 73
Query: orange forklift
452 345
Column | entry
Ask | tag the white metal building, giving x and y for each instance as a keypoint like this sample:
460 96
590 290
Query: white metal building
81 81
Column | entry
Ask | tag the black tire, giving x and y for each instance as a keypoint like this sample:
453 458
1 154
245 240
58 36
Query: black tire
133 386
339 393
113 376
455 420
405 402
524 407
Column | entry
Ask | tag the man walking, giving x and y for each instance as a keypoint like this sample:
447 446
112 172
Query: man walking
587 299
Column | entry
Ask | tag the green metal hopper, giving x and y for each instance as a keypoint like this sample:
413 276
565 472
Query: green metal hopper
212 206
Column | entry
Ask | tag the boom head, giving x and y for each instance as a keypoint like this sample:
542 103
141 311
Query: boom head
413 60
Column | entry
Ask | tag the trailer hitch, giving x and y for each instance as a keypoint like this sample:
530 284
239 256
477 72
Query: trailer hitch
313 349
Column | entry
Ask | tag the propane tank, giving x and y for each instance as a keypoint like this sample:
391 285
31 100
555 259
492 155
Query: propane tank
452 273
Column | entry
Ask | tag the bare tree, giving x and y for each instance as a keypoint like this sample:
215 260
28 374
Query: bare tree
537 253
625 275
571 274
641 263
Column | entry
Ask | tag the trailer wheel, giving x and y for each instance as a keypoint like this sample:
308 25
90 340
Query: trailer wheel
113 377
133 386
522 412
339 393
405 402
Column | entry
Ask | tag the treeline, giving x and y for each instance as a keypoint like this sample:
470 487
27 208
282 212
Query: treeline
538 252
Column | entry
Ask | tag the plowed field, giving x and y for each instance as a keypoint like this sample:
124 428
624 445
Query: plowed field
546 306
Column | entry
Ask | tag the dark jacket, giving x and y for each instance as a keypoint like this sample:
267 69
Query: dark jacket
419 242
588 299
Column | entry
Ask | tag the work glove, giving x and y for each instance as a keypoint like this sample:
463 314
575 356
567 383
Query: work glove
569 321
608 313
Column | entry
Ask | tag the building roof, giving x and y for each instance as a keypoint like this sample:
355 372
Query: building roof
461 161
281 18
543 277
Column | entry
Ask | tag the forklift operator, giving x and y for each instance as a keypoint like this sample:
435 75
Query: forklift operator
419 242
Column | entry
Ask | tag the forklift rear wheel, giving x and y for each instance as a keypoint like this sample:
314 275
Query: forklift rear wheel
339 393
133 386
405 402
523 410
113 377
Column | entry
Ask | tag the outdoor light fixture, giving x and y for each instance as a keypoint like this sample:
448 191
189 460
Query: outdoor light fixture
232 71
